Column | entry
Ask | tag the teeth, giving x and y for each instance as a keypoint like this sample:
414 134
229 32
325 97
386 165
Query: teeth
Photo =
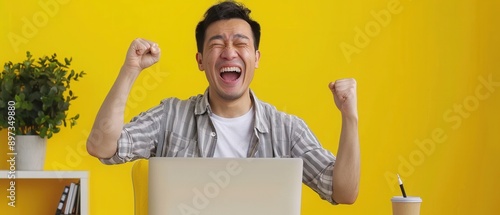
230 69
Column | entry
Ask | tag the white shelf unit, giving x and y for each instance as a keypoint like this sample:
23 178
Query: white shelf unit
83 176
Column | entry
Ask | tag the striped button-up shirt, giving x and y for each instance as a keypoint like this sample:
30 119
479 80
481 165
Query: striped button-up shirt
189 132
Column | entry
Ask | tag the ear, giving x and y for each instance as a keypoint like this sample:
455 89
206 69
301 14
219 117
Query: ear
257 58
199 60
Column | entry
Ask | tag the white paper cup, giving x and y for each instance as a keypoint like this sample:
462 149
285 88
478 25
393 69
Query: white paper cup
406 206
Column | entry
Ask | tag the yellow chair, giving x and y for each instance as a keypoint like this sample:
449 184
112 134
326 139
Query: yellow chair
140 171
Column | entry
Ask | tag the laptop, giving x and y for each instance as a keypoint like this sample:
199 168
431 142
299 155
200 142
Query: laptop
225 186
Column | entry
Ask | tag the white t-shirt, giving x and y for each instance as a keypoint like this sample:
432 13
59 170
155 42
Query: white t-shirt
233 135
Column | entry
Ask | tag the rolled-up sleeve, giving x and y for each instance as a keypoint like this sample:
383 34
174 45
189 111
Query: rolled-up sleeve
318 173
318 162
138 138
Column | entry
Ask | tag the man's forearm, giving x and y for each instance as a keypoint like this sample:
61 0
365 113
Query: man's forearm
346 171
102 141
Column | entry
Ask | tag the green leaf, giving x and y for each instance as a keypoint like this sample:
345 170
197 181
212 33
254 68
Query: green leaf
43 132
22 96
27 63
61 88
71 74
7 84
56 130
53 91
68 61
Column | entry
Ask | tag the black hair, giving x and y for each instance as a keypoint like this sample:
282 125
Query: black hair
223 11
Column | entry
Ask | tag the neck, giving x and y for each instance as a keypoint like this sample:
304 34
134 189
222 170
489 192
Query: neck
230 108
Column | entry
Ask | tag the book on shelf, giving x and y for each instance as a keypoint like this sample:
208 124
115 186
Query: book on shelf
73 201
77 203
70 198
60 205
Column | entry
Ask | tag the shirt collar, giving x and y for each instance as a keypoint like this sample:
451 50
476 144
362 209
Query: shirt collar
202 105
261 122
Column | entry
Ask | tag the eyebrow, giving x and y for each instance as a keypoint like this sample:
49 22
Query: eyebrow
241 36
220 37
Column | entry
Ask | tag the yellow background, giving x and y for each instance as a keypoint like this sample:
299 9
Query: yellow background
419 80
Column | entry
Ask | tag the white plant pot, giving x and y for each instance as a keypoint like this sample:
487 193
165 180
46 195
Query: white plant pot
30 152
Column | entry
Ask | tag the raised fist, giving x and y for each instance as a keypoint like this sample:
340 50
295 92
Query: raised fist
344 95
142 54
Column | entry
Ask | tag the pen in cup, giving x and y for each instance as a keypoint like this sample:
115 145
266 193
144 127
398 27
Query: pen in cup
401 186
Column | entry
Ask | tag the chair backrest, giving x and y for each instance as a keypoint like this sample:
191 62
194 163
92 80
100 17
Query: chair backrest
140 171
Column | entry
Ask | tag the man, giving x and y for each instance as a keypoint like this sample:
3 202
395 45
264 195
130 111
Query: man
227 120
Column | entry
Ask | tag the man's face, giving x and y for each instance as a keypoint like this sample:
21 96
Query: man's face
229 58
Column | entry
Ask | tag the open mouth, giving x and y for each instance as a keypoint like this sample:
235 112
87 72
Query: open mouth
230 74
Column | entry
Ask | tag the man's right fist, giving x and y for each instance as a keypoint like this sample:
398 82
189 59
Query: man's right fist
142 54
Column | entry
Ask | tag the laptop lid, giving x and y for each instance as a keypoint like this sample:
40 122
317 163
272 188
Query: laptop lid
220 186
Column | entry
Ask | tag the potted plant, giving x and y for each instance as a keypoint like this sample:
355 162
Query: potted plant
34 100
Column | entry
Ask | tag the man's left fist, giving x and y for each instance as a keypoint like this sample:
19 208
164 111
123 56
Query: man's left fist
344 95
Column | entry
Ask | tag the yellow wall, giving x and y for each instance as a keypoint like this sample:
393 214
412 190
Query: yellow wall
426 108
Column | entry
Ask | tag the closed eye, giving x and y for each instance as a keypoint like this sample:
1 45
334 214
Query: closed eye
241 44
217 45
